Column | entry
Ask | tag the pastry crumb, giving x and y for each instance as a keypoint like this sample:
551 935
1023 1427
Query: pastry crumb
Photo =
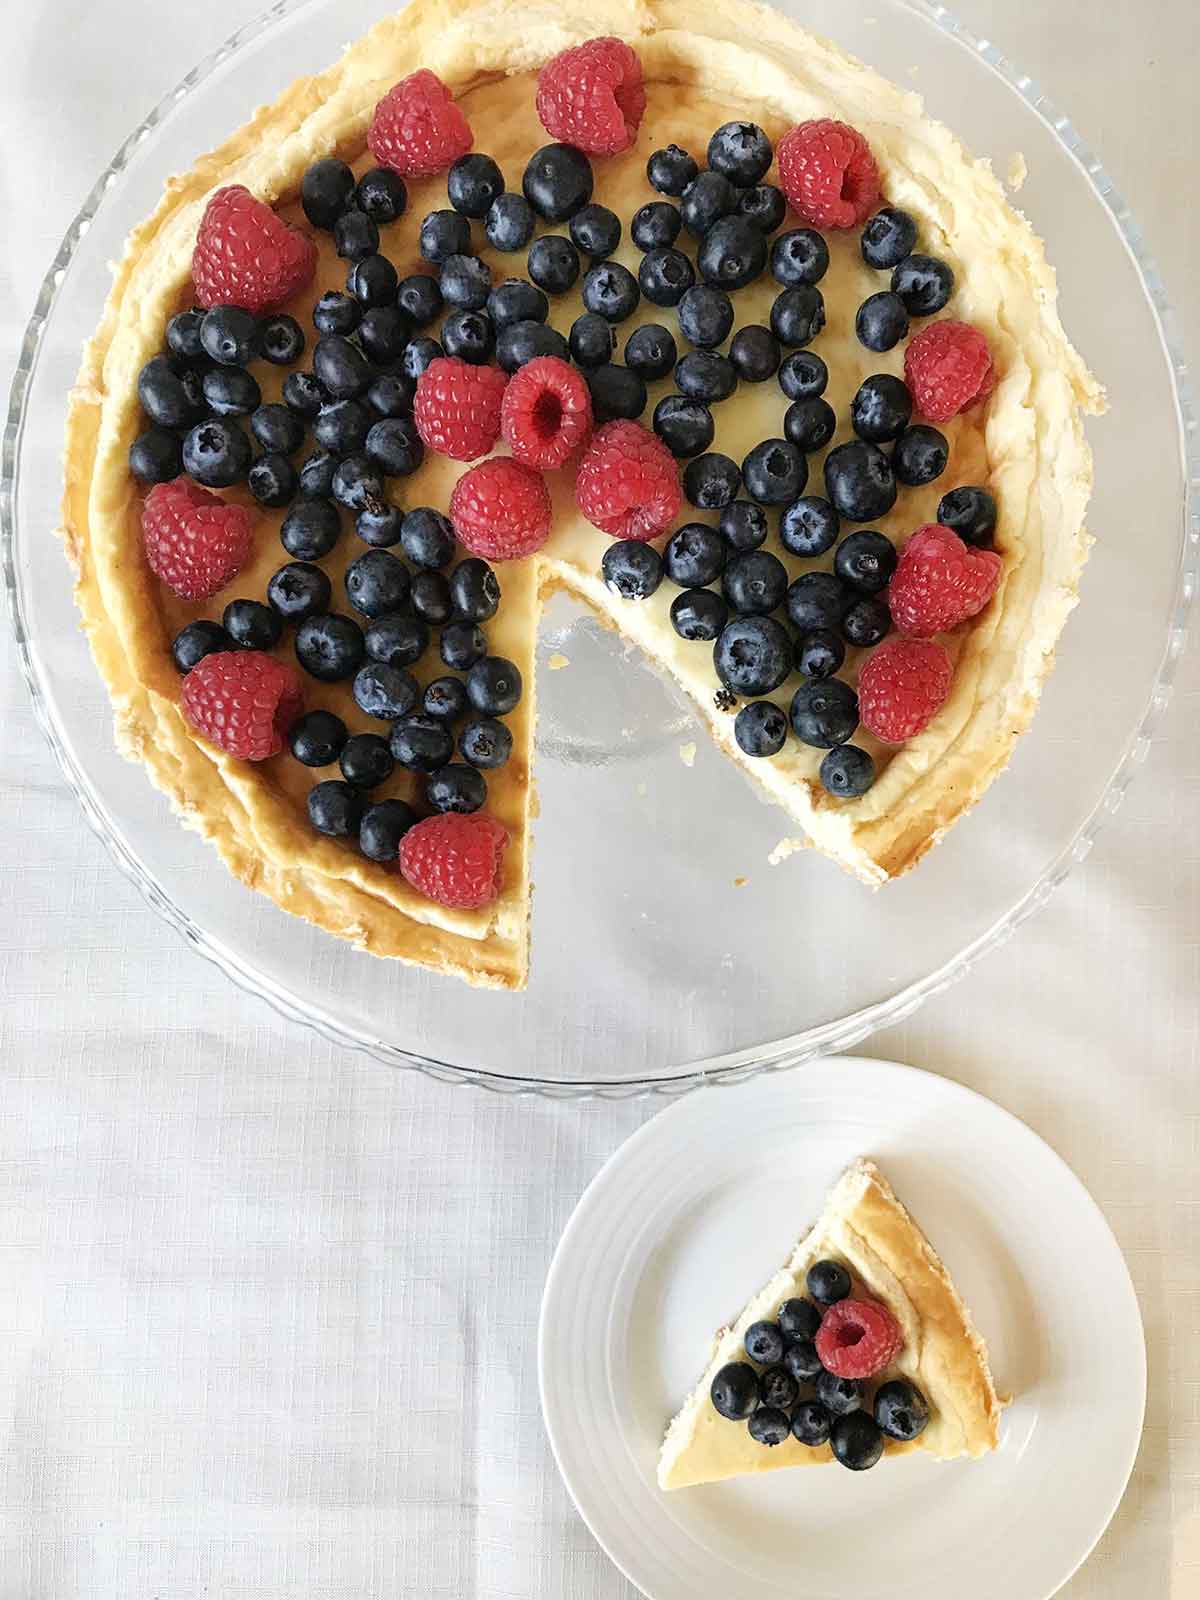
740 883
642 791
1017 172
784 849
687 753
558 661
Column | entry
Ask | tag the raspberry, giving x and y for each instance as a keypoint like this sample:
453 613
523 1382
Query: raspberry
547 412
243 701
417 128
902 686
628 483
857 1339
827 171
247 256
592 96
940 581
457 407
194 541
501 509
455 859
947 368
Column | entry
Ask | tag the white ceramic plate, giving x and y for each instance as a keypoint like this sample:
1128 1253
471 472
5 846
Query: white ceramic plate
692 1215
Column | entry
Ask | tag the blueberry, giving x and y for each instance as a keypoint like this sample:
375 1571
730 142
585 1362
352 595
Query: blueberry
557 181
383 333
485 742
764 205
596 231
430 597
808 527
183 334
797 315
615 392
803 375
445 699
377 583
801 1359
865 561
197 640
230 336
650 350
809 424
381 194
706 199
711 481
705 375
391 395
469 335
418 354
465 282
684 426
760 729
444 234
276 428
881 408
655 226
474 591
216 453
665 275
282 340
355 236
520 342
824 712
810 1423
732 253
382 827
901 1410
816 600
752 657
398 640
427 537
357 484
326 189
754 351
164 397
705 316
632 569
373 282
856 1441
336 312
827 1282
776 1386
867 621
366 761
764 1343
774 472
820 654
341 427
304 394
671 170
694 556
516 300
743 525
741 152
231 392
611 291
473 183
754 583
341 367
799 1319
847 772
887 238
799 258
329 647
734 1390
839 1396
155 456
419 298
394 445
462 644
311 529
317 470
859 481
272 480
509 223
881 321
456 788
316 739
553 263
971 512
421 744
592 340
769 1426
494 686
298 590
335 808
923 283
920 455
699 615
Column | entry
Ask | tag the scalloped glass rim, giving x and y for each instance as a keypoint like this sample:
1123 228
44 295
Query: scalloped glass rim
847 1031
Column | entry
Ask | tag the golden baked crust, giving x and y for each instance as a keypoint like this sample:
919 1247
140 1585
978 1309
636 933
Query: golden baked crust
703 63
866 1228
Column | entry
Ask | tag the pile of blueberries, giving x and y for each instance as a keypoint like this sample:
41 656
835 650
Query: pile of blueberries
788 1393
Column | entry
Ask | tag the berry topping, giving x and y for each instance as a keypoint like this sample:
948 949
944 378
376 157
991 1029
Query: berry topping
858 1338
799 1319
923 283
243 701
760 728
827 1282
920 455
948 367
632 568
901 1410
827 171
455 860
856 1441
671 170
801 1358
901 687
593 96
197 640
971 512
417 129
547 412
741 152
753 655
501 510
247 256
628 484
194 541
940 581
764 1343
839 1396
824 713
810 1423
847 772
734 1391
769 1426
777 1388
457 407
557 181
889 236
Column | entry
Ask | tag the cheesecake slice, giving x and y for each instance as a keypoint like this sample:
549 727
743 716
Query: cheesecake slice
865 1229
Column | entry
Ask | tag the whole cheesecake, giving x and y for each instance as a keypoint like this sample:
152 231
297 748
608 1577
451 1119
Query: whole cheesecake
887 474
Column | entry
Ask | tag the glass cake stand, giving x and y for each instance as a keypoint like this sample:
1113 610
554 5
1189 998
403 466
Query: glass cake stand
667 949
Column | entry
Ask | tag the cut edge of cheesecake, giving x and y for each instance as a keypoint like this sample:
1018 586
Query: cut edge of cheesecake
867 1228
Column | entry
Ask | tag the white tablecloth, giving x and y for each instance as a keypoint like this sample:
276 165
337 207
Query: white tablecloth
267 1311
